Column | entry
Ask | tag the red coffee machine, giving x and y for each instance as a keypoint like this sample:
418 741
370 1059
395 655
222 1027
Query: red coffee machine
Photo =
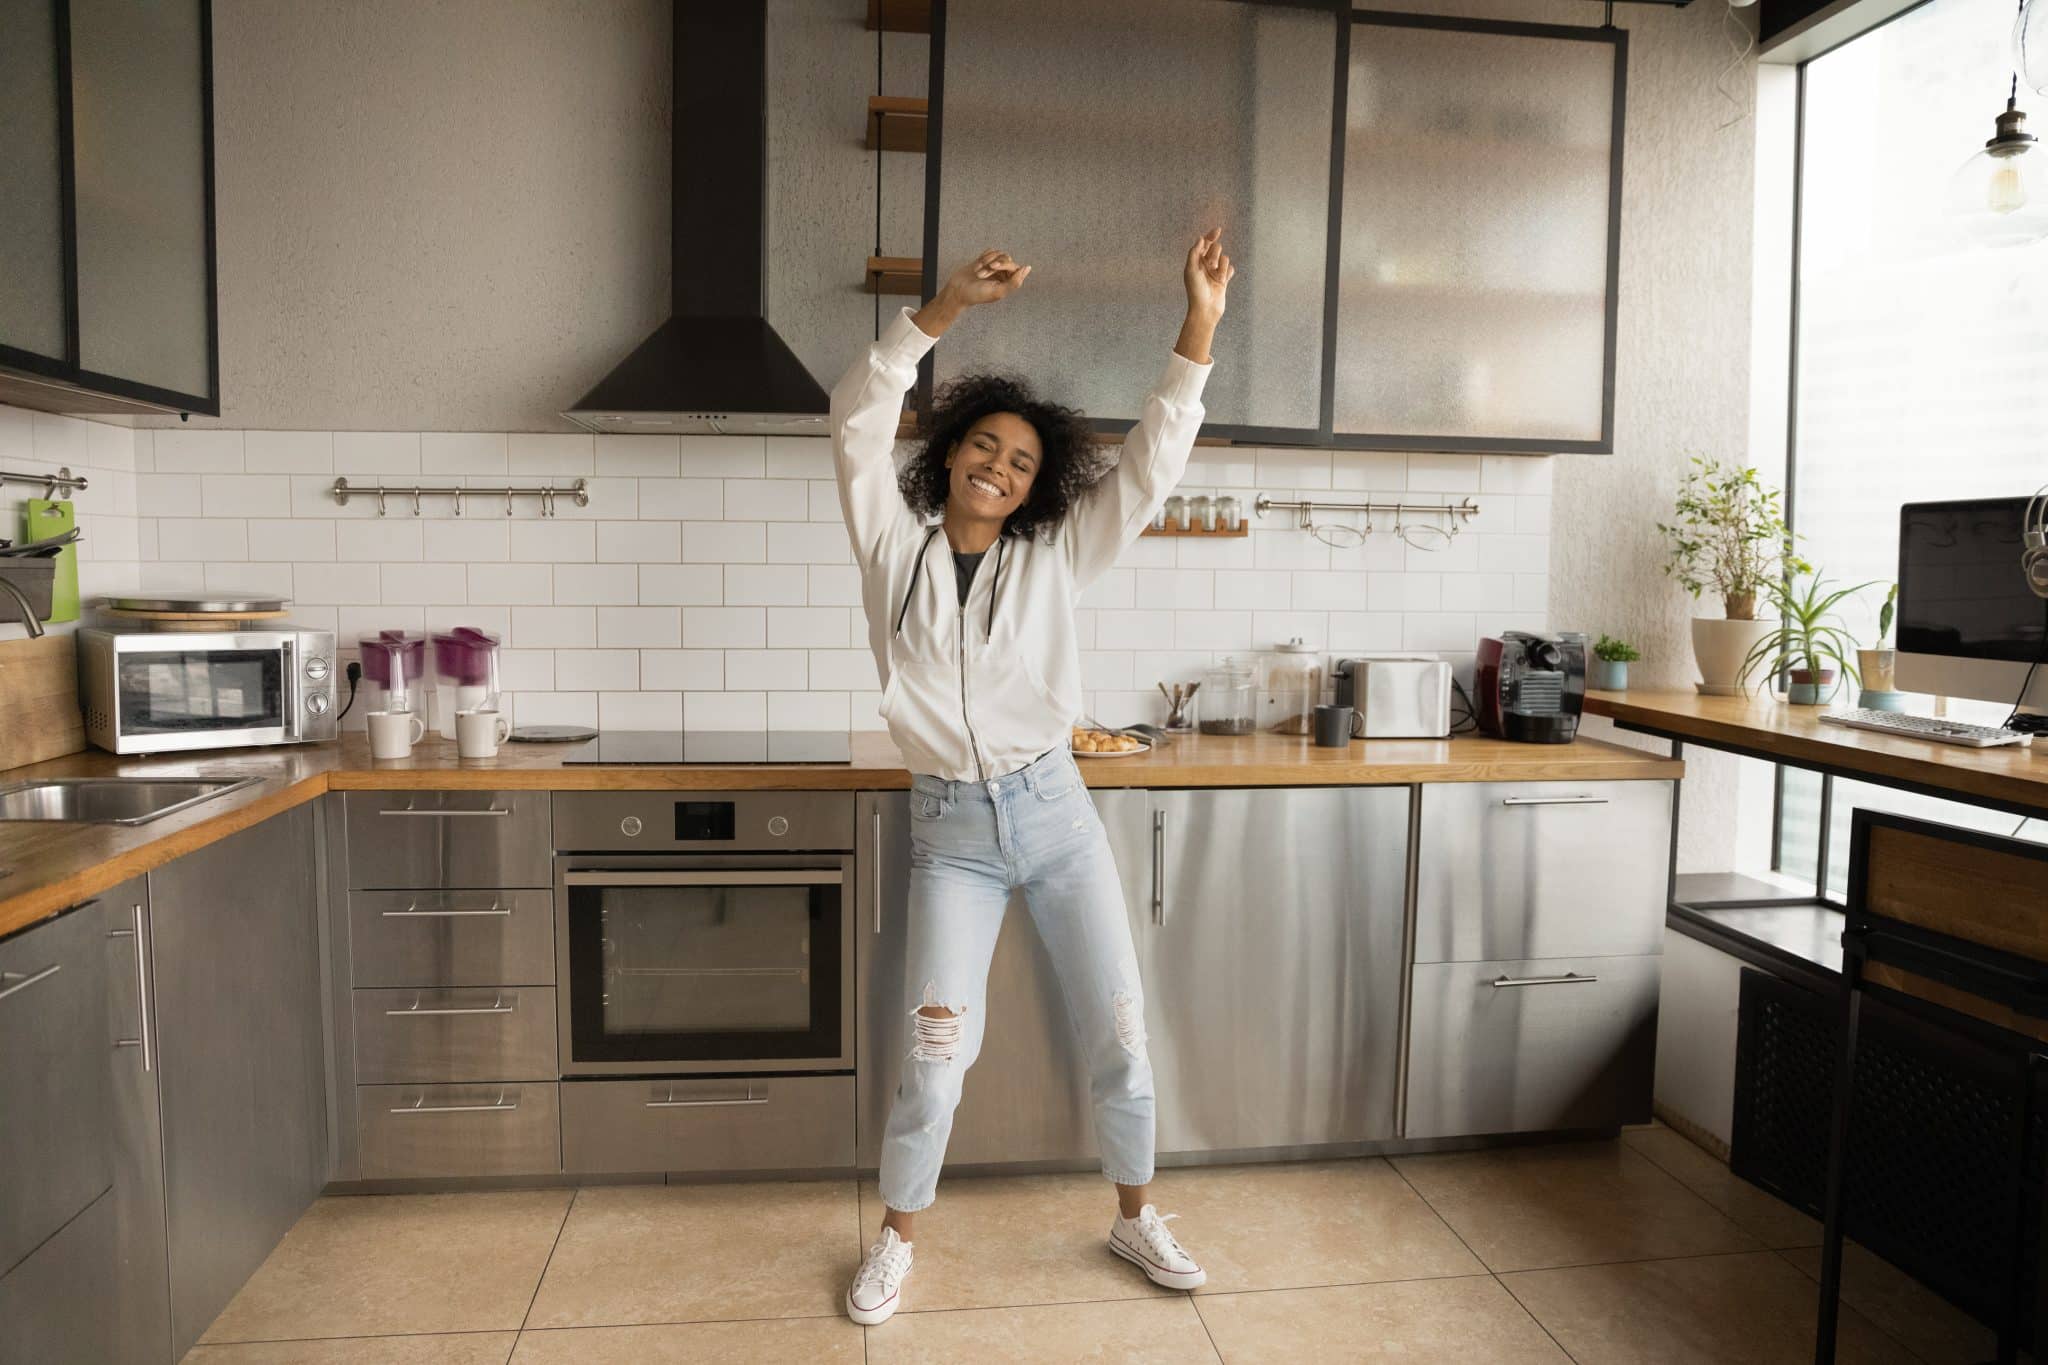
1531 687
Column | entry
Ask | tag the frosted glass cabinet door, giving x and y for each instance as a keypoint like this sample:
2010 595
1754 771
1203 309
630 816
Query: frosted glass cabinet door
139 100
31 182
1473 291
1094 141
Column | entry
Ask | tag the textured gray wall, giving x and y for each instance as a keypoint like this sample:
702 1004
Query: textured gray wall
436 214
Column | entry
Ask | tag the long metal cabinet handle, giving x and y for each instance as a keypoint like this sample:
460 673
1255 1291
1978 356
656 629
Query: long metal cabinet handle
497 1006
875 852
673 1103
422 1107
794 877
447 814
413 911
22 982
1579 800
1159 867
1568 979
142 987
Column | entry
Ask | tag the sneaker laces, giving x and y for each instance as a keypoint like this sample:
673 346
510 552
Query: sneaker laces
1151 1225
886 1263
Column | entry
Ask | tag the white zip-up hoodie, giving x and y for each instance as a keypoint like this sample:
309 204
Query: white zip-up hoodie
973 692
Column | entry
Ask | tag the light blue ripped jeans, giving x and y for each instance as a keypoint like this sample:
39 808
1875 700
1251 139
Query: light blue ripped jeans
971 844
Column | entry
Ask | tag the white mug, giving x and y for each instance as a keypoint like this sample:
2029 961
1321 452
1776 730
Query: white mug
479 733
393 733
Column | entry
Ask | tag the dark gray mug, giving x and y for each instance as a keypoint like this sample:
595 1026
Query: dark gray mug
1333 726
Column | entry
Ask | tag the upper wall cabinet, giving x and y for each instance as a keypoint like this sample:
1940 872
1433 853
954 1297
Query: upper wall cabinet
1425 212
106 120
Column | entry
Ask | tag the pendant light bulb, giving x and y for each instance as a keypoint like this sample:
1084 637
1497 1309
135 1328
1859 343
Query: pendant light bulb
1999 197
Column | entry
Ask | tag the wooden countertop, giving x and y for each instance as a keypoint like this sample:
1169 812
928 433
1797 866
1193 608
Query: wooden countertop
1764 727
54 866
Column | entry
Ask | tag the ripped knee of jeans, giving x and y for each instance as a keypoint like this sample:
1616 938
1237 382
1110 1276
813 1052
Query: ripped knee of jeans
1130 1022
936 1029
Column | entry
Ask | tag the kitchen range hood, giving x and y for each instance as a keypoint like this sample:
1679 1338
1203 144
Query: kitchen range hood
716 365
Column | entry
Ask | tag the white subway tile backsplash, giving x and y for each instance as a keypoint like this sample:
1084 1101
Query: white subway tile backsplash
1106 668
725 627
682 670
553 541
724 457
288 452
1333 590
1359 631
198 538
286 538
1429 472
844 670
722 542
354 622
1115 590
59 440
339 585
725 710
637 627
553 627
640 710
379 541
468 539
556 708
798 457
253 580
1474 591
551 453
767 500
766 585
511 585
1218 630
464 452
1270 628
1377 470
1514 554
246 495
1249 589
824 499
1532 592
639 542
196 452
808 628
1284 548
377 452
834 585
597 584
808 542
1296 469
1188 589
681 585
597 670
426 584
634 457
808 711
1514 474
690 499
765 670
1439 630
609 499
1138 629
526 670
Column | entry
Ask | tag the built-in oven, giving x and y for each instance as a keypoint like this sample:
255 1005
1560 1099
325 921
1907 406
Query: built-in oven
704 932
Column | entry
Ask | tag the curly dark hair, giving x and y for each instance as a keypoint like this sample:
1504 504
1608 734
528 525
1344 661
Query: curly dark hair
1071 462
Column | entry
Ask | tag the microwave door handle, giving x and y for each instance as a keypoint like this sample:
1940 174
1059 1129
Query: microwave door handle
294 704
779 877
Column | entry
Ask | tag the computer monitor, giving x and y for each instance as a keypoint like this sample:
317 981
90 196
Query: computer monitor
1968 624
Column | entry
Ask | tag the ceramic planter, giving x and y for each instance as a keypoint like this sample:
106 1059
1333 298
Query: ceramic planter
1809 687
1609 675
1876 666
1718 649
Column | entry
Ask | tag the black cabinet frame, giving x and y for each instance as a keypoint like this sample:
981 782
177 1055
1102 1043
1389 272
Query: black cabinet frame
67 369
1324 433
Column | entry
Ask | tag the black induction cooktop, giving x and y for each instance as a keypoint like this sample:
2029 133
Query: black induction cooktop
676 747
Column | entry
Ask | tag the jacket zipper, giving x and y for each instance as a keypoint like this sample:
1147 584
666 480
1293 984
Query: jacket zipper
973 745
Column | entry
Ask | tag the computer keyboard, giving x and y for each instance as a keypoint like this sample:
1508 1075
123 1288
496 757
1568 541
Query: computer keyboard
1927 727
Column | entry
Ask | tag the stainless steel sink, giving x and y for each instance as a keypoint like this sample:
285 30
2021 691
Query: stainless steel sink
111 800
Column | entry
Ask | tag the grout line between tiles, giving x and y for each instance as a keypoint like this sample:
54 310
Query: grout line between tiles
1702 1193
1533 1318
1900 1342
352 1336
574 1194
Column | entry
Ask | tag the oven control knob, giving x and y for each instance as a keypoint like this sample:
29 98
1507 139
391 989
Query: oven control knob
630 826
317 703
778 825
316 668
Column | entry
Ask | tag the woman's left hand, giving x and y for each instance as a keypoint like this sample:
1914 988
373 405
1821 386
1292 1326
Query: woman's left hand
1208 275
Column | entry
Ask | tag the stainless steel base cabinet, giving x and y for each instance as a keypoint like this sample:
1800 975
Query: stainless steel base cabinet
1026 1097
1271 948
141 1303
57 1307
236 958
1529 1046
743 1123
414 1131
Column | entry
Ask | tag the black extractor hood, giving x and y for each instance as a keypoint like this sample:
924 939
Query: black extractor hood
715 365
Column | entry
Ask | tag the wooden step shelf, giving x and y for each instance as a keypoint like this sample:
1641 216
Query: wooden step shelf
1197 533
897 123
896 275
900 16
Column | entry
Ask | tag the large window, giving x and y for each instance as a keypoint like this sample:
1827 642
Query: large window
1922 362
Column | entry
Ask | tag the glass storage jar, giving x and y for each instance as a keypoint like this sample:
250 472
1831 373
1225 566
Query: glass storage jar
1230 697
1290 688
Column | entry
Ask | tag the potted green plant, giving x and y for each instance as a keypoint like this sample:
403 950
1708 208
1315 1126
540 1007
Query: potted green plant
1609 667
1808 644
1728 537
1878 662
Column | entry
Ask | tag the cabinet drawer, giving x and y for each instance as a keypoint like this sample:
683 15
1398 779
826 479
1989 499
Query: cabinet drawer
469 1034
56 1307
456 1130
1523 1047
780 1123
55 1078
443 839
1542 869
452 938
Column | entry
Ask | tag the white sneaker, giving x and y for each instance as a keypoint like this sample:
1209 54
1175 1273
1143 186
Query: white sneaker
878 1284
1146 1244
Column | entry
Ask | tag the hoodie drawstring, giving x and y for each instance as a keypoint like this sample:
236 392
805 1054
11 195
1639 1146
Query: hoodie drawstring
916 570
995 587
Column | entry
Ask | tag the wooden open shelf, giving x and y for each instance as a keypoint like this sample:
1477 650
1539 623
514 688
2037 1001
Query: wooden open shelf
896 275
1196 533
897 123
900 16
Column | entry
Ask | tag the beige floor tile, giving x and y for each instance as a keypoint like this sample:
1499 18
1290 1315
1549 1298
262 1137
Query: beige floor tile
1933 1328
1470 1318
769 1341
1128 1332
1522 1208
1706 1310
465 1348
371 1265
688 1253
1764 1216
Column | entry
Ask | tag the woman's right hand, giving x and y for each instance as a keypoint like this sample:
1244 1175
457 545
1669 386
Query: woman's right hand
989 278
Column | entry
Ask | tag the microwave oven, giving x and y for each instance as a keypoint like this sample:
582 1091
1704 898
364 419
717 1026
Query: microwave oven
150 692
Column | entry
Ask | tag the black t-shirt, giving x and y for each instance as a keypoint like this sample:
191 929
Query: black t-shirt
964 566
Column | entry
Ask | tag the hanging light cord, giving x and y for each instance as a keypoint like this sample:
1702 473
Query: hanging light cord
1737 97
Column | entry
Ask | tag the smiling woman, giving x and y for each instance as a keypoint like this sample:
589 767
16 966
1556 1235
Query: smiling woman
1030 458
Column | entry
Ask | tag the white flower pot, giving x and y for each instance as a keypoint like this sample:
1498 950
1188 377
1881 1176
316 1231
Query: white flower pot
1718 648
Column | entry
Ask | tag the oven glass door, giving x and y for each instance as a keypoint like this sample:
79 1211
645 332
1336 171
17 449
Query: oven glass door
704 966
199 691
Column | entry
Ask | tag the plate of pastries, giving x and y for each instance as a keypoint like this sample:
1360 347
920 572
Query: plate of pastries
1089 743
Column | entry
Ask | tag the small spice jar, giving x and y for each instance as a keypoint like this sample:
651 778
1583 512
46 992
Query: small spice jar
1229 513
1202 512
1177 512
